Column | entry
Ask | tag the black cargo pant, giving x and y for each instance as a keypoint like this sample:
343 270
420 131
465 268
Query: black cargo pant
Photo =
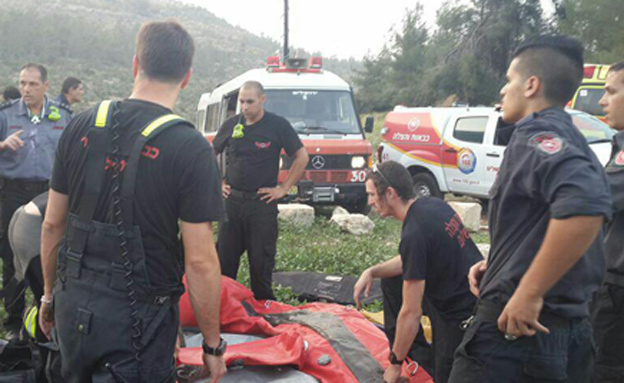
13 194
251 226
608 323
485 356
94 325
436 359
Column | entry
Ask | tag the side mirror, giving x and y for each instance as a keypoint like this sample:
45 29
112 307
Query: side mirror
368 125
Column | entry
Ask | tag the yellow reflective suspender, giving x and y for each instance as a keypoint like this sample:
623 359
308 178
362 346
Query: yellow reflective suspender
160 121
102 114
30 323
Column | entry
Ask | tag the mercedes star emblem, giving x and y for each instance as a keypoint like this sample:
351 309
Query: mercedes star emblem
318 162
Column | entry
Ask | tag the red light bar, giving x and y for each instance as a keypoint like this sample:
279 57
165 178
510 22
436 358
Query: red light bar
316 62
273 62
588 71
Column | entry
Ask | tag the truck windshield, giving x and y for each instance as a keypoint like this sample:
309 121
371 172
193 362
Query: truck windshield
315 111
587 101
592 128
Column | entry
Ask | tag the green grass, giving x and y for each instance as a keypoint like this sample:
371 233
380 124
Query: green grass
324 248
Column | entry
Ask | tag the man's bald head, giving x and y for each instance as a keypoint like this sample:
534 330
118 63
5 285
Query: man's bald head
255 86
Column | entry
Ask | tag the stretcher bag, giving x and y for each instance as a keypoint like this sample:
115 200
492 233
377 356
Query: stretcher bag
329 342
317 287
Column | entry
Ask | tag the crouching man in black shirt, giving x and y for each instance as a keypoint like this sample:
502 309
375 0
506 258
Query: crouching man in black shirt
436 254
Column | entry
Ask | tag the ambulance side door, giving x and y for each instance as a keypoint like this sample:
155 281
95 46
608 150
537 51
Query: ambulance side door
464 153
494 148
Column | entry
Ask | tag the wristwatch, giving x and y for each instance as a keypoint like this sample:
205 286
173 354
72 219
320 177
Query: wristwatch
394 360
217 351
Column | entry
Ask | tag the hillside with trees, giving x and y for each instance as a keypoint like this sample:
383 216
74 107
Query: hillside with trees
464 56
94 41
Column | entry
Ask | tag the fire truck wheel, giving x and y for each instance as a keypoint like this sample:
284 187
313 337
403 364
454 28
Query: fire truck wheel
425 186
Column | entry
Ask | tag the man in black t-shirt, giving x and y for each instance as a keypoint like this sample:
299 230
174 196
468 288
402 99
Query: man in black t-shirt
252 142
547 208
128 177
608 307
436 253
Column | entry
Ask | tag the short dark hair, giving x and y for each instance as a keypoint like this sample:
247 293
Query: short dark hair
392 173
557 61
42 70
255 85
165 50
618 67
11 93
70 83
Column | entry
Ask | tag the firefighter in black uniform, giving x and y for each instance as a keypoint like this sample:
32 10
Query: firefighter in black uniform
436 253
125 174
547 209
608 314
253 141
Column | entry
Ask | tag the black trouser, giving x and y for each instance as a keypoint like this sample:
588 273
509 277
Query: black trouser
251 226
608 323
437 360
485 356
13 194
94 325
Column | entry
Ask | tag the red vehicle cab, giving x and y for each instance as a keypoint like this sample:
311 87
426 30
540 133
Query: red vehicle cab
321 109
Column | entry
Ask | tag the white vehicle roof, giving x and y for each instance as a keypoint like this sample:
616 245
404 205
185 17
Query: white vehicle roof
324 80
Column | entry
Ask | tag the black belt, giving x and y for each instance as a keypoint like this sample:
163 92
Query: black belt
25 185
244 194
490 312
116 281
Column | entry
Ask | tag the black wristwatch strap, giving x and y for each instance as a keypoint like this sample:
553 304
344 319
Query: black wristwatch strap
394 359
218 351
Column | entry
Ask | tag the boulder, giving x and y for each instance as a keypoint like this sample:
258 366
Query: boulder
339 210
484 248
296 213
470 214
357 224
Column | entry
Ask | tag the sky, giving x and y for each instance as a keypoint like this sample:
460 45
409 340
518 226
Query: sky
341 28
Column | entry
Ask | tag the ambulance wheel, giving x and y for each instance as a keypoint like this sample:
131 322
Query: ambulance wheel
425 186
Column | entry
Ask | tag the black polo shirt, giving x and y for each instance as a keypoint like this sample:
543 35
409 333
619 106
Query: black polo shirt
614 241
436 247
253 160
548 171
177 179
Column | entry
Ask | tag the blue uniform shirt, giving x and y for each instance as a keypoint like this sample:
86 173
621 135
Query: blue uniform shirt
548 171
32 162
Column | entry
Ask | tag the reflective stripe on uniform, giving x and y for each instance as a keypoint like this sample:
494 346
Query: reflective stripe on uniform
102 114
159 122
30 324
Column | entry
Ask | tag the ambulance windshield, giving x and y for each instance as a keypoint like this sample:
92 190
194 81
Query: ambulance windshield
315 111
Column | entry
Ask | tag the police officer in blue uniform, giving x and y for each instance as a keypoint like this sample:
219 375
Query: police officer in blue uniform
132 196
30 128
547 209
608 313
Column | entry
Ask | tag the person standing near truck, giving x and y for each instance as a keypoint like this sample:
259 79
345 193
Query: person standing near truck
608 313
547 208
253 141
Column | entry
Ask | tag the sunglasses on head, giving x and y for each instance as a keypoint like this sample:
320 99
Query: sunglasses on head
376 169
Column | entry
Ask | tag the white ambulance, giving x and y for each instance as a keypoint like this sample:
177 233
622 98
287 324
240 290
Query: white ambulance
321 108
